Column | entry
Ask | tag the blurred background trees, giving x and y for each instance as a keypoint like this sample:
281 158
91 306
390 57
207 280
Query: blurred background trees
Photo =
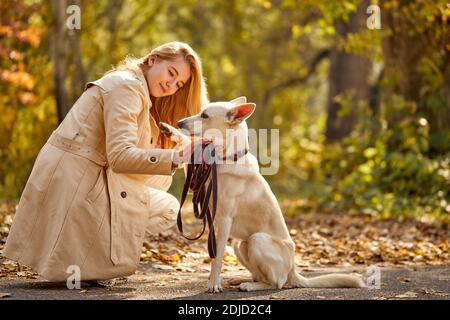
364 114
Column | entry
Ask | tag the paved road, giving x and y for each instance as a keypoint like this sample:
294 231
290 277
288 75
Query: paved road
425 282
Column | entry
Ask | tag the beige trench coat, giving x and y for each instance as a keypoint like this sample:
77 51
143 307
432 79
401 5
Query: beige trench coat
89 197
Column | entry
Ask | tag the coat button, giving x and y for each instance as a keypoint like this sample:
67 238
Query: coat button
123 194
152 159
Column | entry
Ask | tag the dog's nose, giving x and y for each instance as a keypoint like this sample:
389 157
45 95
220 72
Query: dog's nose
180 124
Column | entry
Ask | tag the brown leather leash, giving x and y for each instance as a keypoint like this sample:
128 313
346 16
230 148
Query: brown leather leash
196 177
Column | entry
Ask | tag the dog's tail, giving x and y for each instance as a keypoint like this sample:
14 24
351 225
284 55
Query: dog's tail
335 280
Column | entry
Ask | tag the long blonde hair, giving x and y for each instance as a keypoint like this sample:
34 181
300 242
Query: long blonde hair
188 100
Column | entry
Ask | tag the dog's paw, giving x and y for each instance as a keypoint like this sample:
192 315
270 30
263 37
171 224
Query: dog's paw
174 134
255 286
237 281
165 129
246 286
359 279
214 287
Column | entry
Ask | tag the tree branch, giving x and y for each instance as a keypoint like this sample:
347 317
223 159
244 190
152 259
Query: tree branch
144 23
297 80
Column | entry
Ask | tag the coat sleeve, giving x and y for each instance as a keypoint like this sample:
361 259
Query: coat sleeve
122 106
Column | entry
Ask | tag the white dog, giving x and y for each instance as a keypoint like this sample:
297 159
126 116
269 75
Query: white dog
247 210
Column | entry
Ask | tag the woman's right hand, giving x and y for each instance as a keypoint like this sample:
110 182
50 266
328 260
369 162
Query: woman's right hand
184 155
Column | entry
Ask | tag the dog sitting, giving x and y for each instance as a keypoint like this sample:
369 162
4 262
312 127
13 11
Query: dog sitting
247 210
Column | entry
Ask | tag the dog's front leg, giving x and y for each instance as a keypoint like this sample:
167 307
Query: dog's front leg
223 232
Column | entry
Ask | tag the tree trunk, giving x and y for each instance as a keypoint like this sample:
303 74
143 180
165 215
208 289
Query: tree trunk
114 8
348 74
79 74
58 55
404 48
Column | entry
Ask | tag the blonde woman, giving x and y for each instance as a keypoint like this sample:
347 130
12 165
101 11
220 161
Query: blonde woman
99 183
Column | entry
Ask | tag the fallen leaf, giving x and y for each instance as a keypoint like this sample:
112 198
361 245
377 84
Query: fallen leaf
163 267
379 298
4 295
277 297
184 269
444 278
435 292
409 294
230 258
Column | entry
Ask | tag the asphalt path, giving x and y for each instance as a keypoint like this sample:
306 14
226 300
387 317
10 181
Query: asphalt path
154 283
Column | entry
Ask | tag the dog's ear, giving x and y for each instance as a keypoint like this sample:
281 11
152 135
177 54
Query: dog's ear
239 113
238 101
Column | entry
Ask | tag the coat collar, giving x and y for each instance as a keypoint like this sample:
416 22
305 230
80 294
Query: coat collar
153 125
140 74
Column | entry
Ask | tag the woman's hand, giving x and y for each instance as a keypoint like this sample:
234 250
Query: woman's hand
184 155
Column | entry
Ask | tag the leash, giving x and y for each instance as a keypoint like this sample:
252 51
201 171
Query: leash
196 177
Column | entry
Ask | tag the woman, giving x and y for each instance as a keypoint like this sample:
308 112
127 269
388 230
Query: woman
98 183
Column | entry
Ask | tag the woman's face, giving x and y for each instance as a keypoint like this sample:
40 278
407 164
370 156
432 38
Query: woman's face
165 77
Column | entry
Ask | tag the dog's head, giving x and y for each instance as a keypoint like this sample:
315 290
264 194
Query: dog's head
218 119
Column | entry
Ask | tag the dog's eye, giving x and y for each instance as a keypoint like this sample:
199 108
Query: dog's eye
204 116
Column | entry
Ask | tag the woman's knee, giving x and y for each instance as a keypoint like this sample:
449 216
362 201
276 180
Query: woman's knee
171 207
172 202
164 215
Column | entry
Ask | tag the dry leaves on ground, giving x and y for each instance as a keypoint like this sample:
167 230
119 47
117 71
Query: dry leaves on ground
321 240
324 240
